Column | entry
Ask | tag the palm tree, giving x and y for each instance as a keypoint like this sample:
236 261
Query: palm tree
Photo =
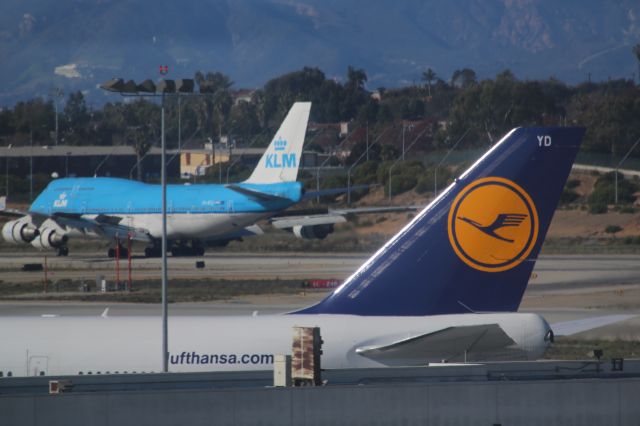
218 104
356 77
428 76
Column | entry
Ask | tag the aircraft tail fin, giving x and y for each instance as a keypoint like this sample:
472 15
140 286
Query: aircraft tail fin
281 160
474 247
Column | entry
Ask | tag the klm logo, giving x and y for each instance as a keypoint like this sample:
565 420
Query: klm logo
280 160
61 201
280 144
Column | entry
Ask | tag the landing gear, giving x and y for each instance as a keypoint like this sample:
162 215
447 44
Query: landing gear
152 251
178 251
62 251
123 252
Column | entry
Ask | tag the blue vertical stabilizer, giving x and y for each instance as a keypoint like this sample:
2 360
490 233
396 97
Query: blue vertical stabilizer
474 247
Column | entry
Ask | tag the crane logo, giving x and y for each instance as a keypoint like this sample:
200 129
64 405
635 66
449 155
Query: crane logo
493 224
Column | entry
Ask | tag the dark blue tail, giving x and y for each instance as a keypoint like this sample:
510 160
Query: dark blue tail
474 247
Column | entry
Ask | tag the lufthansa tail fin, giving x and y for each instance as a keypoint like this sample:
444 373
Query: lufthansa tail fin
281 160
474 247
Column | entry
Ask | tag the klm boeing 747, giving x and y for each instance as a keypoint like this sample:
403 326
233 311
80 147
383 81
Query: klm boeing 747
117 209
443 288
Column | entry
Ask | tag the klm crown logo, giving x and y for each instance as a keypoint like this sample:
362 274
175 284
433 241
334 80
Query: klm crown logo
280 144
281 159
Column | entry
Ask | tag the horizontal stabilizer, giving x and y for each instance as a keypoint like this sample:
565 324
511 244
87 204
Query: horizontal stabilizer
260 196
568 328
450 343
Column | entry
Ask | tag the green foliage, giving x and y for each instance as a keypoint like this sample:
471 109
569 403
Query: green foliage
402 183
597 208
612 229
404 177
365 172
568 196
604 190
627 210
572 183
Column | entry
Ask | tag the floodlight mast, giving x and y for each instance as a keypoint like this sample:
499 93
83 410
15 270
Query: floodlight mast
149 89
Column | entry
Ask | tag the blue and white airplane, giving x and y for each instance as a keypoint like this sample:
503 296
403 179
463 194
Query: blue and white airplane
113 208
444 288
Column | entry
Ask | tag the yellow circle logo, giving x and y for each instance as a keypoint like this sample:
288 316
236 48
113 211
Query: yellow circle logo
493 224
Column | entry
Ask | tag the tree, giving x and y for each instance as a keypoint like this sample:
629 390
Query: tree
636 50
355 79
428 77
243 120
76 119
214 109
463 78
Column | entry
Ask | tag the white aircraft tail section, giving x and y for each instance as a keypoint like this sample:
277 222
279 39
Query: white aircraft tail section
281 160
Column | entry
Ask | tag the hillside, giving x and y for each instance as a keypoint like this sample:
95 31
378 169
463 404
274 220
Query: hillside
76 44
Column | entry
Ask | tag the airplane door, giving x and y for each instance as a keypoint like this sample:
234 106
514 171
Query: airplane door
230 206
38 364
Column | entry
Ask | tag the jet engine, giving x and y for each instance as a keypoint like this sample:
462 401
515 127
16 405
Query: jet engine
19 231
49 238
313 232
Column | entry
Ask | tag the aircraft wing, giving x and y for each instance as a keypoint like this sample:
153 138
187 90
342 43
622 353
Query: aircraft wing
568 328
447 344
332 216
106 225
261 196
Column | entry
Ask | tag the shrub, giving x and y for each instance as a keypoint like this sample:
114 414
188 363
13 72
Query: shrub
612 229
605 189
572 183
597 208
568 196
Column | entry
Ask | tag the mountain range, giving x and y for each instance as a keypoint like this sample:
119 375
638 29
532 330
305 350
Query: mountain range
76 44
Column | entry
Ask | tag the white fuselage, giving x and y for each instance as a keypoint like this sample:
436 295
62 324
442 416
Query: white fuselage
179 226
57 346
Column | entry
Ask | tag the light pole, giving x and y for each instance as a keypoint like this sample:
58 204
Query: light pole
56 93
162 89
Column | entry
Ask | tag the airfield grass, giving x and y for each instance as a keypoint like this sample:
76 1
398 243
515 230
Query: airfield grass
149 291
